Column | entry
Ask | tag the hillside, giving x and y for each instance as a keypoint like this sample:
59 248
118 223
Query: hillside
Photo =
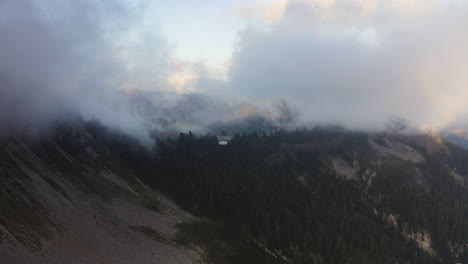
83 193
327 195
67 198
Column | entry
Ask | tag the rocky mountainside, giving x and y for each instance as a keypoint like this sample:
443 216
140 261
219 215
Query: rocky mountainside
83 193
66 197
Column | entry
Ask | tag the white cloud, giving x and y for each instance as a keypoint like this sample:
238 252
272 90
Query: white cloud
358 63
345 10
353 62
60 56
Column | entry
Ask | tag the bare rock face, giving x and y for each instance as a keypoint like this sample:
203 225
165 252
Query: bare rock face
424 241
393 148
460 179
344 169
57 206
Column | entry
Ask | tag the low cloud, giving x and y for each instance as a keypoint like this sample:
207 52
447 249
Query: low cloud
358 64
59 56
349 62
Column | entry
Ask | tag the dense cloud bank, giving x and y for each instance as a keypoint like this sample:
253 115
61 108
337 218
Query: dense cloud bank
349 62
357 67
58 57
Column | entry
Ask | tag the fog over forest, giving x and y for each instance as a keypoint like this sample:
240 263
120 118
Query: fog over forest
353 63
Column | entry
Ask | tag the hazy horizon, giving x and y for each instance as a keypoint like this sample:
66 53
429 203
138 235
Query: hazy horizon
353 63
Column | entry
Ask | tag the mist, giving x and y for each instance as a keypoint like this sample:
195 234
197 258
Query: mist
353 63
58 57
359 64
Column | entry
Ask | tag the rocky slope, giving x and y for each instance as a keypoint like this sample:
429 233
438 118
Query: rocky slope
66 198
82 193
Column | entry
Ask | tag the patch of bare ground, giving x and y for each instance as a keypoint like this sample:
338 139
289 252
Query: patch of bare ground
396 149
76 225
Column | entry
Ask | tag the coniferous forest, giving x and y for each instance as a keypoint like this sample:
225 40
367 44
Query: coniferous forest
279 194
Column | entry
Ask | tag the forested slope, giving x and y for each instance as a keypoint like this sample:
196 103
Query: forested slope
326 195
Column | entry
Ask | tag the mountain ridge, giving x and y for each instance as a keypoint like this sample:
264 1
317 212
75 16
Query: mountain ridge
84 193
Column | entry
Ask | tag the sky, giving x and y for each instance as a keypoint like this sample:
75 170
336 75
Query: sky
356 63
198 31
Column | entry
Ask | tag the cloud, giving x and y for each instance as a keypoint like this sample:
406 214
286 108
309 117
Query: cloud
58 56
344 10
359 63
352 62
264 11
